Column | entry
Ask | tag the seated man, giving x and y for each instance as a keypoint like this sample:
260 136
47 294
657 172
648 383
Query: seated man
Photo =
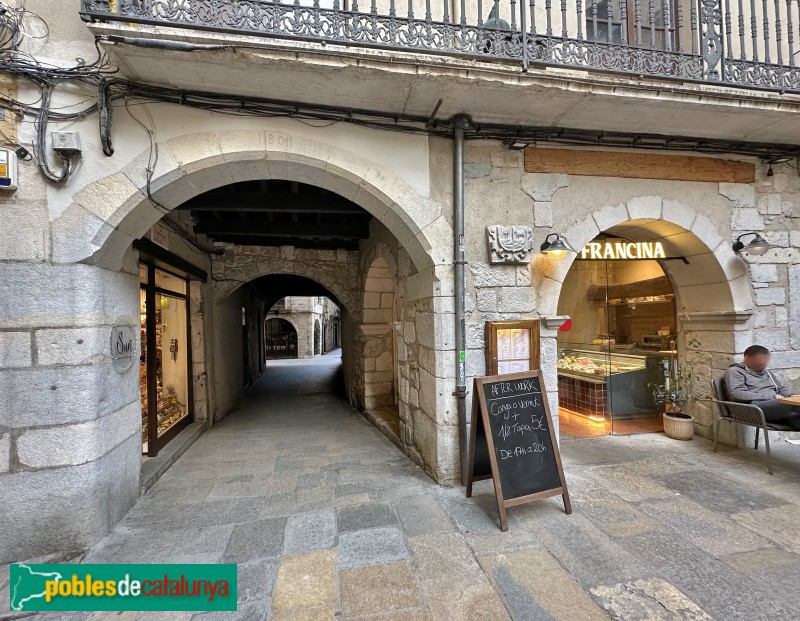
751 382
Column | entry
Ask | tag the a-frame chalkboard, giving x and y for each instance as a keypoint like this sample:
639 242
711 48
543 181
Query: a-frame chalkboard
512 441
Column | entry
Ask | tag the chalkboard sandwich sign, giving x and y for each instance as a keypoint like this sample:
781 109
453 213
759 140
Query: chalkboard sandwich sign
513 443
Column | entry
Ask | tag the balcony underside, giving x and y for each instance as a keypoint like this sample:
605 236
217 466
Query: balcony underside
490 92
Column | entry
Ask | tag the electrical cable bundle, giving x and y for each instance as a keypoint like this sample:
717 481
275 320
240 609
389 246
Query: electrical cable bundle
45 77
114 92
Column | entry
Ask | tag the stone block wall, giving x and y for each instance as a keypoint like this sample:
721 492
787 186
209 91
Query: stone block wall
423 366
378 337
70 419
773 210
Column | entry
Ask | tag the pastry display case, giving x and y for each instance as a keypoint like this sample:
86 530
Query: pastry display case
603 384
596 362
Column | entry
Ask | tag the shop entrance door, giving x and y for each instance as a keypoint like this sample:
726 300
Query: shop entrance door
613 352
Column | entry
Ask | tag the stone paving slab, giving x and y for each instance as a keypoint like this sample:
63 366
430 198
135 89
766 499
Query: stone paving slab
327 520
648 600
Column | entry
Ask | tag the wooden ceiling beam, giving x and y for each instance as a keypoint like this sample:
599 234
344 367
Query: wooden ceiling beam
284 229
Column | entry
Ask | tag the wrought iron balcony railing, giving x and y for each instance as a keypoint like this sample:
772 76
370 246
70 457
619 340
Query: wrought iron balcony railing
747 43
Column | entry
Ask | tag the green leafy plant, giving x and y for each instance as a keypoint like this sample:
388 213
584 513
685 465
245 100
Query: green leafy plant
679 381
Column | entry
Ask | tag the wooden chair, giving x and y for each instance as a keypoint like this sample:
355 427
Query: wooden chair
742 414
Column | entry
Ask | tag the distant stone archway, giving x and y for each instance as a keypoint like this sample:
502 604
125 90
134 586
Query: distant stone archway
280 343
335 270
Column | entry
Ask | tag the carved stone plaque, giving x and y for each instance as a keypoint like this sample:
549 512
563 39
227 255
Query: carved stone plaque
509 244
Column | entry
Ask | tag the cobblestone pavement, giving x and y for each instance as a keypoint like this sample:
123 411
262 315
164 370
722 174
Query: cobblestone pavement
328 520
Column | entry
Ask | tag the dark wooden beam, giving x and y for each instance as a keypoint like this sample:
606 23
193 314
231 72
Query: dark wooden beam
284 229
275 203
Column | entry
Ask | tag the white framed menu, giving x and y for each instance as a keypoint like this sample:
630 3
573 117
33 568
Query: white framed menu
513 346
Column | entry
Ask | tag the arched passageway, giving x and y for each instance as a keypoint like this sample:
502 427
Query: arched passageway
292 207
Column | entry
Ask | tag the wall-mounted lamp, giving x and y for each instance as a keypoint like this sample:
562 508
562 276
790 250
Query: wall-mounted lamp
757 246
557 248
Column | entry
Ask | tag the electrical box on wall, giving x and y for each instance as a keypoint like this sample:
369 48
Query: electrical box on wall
68 144
8 169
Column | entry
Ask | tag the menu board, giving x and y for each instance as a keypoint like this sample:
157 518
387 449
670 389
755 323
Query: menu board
513 346
512 441
513 350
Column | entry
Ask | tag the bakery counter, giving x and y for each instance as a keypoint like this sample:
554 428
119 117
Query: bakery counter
603 384
583 395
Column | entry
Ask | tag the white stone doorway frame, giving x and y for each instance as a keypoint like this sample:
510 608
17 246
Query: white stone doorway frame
713 293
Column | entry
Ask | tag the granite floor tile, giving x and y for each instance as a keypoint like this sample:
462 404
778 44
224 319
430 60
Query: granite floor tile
371 547
255 540
367 515
305 581
310 531
442 555
420 514
378 589
535 576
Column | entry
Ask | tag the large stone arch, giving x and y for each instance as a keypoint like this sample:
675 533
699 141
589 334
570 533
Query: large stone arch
713 292
107 215
685 232
287 318
337 271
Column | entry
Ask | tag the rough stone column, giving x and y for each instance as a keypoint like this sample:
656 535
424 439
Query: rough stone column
70 422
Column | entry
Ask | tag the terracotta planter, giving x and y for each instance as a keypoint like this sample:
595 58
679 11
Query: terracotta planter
678 428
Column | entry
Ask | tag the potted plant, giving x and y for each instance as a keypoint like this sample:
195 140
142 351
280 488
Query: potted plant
676 392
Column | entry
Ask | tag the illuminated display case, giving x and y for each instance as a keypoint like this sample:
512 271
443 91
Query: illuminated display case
598 363
604 384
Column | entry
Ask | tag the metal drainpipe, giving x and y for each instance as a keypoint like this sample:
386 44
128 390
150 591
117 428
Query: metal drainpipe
458 226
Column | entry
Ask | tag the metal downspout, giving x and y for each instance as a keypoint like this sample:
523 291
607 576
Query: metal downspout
458 263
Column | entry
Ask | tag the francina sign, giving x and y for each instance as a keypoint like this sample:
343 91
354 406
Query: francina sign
623 250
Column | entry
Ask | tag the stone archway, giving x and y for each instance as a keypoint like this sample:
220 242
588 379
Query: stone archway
280 343
335 270
108 215
713 292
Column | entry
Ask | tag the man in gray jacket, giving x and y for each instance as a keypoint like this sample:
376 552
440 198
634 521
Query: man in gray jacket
751 382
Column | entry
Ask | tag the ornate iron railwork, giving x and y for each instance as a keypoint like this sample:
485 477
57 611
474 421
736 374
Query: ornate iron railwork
504 36
711 21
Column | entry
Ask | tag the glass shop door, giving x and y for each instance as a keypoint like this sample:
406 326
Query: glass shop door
613 350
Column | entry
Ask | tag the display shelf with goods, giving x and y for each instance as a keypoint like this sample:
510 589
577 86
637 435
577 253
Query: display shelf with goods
603 385
164 361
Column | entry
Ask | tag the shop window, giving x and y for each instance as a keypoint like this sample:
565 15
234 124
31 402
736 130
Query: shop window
613 350
165 357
